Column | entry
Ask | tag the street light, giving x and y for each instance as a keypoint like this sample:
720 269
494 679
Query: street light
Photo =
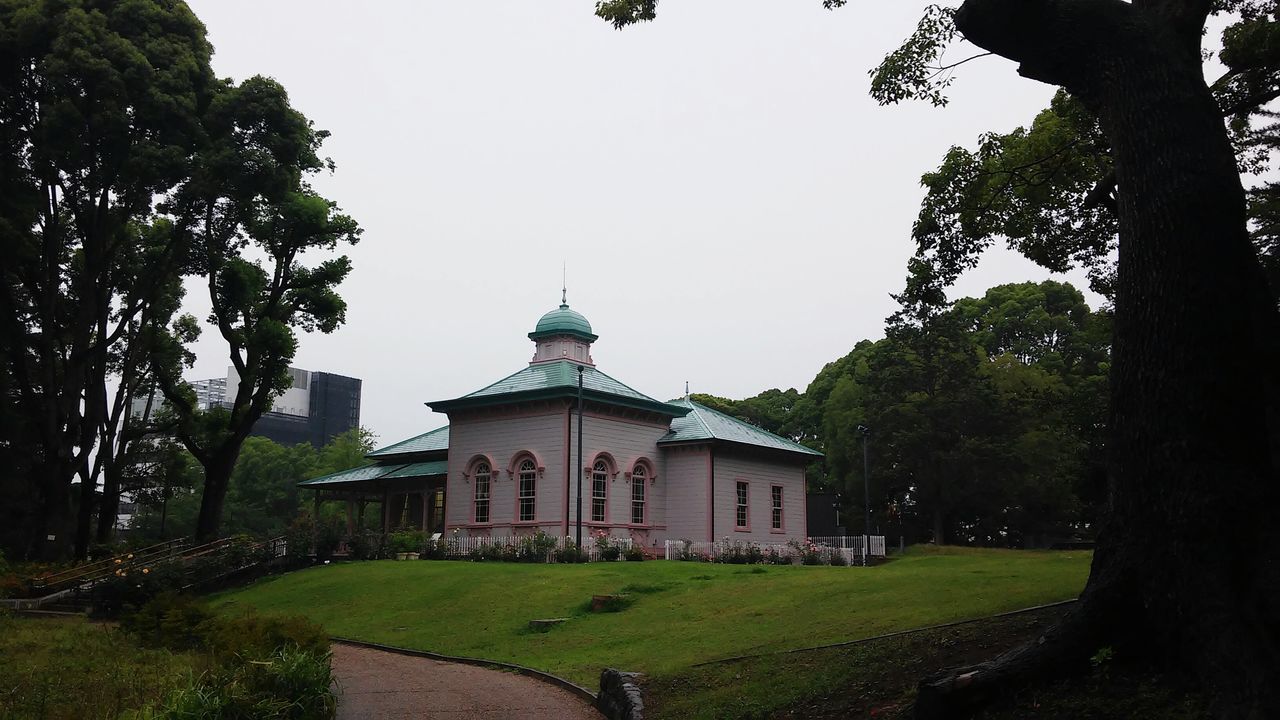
581 368
866 494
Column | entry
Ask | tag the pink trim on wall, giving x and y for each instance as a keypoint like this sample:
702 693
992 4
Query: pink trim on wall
487 415
519 455
782 509
469 474
611 473
630 421
631 497
736 526
514 475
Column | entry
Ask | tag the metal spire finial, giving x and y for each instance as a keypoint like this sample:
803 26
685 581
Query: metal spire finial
564 287
686 389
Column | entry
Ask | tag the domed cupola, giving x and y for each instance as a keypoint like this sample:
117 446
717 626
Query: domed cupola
563 334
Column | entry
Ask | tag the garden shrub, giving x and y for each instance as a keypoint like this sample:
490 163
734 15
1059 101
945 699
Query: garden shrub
838 558
300 536
635 553
407 541
364 545
169 620
290 684
329 534
252 636
570 553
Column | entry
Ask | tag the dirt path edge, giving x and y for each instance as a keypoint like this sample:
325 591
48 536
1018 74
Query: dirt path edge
548 678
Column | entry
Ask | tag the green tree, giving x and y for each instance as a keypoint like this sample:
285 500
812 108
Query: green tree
249 190
1194 400
99 113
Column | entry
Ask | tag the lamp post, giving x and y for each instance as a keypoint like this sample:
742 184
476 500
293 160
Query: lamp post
578 539
866 495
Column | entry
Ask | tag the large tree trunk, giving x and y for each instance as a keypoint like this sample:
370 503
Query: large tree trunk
108 505
1186 568
217 479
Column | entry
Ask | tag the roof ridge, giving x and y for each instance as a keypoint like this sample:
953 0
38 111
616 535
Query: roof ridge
614 379
743 423
499 382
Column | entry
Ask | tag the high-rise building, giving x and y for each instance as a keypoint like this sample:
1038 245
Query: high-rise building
316 408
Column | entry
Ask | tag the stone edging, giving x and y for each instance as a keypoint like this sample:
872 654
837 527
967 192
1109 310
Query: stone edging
620 697
559 682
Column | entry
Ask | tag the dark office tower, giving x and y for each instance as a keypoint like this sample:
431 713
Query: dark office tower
334 407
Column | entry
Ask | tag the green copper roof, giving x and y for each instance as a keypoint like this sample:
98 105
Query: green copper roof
703 423
436 440
558 378
563 321
422 469
360 474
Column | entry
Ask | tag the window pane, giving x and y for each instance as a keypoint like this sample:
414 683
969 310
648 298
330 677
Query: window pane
528 490
599 488
637 496
741 515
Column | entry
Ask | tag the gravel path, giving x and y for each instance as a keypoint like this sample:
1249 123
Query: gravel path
379 684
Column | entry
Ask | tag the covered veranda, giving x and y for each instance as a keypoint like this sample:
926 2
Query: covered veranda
407 495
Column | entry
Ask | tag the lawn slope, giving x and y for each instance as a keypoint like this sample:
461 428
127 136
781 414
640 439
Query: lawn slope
684 613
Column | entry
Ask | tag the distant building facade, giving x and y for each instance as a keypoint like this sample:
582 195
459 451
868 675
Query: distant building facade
316 408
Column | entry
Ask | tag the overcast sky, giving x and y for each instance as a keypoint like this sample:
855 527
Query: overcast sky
733 208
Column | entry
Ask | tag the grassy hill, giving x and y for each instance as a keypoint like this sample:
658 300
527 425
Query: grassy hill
684 613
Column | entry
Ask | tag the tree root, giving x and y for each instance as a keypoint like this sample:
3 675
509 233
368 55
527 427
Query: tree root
1064 648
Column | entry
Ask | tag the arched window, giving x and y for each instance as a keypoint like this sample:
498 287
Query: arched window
639 476
528 479
482 474
599 490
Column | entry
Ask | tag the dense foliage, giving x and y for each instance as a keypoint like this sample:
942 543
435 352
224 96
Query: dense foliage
263 497
987 422
125 167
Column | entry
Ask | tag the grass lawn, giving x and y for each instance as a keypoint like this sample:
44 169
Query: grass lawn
56 668
684 613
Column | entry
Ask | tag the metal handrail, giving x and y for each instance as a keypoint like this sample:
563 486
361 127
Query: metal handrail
84 573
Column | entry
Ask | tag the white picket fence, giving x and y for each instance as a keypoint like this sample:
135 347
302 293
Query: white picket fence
853 542
850 547
460 547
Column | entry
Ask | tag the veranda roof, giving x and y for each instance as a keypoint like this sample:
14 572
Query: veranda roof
368 473
433 441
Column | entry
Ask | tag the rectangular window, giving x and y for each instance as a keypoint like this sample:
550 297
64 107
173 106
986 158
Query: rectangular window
741 516
776 497
637 500
528 485
482 498
599 486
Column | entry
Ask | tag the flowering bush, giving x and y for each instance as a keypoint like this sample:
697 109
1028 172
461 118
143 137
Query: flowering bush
609 550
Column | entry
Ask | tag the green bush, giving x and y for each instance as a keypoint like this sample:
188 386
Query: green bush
300 536
635 553
169 620
407 541
329 534
365 545
256 637
837 558
291 684
570 553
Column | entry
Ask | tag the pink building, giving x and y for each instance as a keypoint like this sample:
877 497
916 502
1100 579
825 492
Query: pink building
506 464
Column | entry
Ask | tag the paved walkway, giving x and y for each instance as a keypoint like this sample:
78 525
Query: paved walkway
379 684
